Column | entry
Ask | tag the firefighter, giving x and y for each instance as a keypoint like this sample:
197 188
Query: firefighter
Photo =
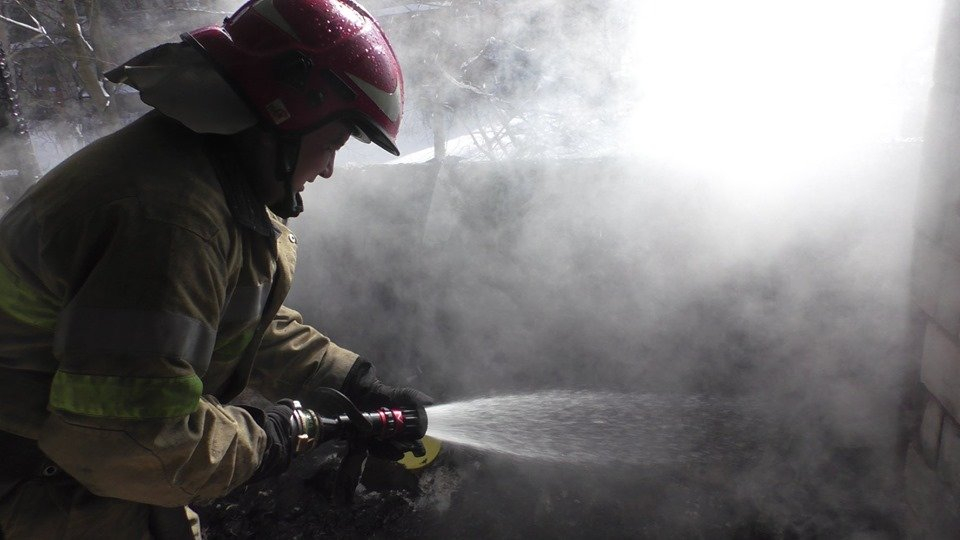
142 280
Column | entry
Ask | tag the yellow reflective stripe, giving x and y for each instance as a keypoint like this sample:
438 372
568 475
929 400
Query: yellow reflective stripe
125 397
23 304
134 332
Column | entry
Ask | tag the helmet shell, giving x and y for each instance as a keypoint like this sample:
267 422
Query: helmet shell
302 63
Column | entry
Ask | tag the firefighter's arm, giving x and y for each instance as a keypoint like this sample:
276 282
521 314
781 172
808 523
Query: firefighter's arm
295 359
128 415
161 461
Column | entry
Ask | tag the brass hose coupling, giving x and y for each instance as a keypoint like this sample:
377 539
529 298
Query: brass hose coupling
306 428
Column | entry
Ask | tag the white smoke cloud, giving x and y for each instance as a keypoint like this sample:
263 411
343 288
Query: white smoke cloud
747 234
724 208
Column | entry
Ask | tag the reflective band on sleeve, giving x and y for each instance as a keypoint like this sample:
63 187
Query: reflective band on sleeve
21 303
131 331
246 304
125 397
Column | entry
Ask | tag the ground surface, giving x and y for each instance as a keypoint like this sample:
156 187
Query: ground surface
468 495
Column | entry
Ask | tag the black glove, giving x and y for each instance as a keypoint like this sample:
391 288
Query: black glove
369 394
275 421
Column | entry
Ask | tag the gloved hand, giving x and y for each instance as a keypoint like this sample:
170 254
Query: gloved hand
368 393
275 421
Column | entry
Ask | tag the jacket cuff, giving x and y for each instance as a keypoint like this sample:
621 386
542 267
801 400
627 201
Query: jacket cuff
358 379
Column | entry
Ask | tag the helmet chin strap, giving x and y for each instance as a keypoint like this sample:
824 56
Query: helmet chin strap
288 150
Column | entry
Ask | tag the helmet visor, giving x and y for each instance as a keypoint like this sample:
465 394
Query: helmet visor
368 131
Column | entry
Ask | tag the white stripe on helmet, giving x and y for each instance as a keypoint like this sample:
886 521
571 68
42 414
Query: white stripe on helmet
388 102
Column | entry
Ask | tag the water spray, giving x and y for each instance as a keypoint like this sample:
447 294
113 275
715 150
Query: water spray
599 427
553 426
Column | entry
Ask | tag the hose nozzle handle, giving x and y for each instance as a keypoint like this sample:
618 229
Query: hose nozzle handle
392 423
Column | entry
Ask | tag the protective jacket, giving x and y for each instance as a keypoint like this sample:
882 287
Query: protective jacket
141 289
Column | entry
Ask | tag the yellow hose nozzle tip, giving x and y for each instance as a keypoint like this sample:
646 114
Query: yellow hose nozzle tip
431 445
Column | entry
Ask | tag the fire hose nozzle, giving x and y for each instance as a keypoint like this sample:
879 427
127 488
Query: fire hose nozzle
339 419
407 423
311 428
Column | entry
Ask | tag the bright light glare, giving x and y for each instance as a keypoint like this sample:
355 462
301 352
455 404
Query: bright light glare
754 89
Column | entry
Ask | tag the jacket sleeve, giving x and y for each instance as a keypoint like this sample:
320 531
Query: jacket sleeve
128 415
295 359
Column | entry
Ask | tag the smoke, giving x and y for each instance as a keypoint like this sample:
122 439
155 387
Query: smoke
721 206
694 198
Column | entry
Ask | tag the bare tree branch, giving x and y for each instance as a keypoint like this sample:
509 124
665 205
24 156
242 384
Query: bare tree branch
38 29
82 38
26 10
84 66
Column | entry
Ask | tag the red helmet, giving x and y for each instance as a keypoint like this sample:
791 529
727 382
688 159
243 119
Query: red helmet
302 63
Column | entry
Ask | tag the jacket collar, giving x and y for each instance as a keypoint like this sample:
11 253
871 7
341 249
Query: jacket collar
246 208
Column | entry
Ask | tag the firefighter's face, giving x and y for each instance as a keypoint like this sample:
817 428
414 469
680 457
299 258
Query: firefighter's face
317 152
318 149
